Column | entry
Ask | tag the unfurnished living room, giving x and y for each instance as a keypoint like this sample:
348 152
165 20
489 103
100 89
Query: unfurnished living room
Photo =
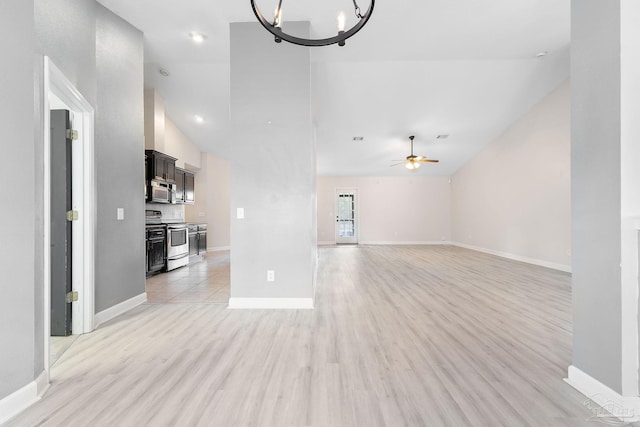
355 213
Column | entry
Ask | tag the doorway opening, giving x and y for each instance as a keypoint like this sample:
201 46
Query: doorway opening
347 216
60 94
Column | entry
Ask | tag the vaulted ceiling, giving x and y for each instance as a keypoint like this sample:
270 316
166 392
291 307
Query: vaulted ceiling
462 68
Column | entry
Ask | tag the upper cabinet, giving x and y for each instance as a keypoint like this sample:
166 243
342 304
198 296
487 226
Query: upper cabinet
161 166
185 186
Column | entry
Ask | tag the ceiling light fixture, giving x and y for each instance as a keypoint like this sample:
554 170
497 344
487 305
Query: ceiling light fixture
164 72
197 37
542 54
198 119
275 27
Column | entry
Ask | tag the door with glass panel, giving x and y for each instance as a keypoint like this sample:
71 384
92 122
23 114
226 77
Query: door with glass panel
346 215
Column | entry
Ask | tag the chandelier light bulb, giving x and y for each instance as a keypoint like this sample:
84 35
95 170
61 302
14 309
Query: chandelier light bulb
341 21
277 18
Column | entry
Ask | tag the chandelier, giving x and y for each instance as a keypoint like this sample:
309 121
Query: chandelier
275 27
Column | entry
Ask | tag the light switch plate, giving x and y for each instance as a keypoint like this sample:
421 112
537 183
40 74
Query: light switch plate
120 214
240 213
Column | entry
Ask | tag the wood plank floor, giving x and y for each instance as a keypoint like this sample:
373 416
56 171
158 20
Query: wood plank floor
400 336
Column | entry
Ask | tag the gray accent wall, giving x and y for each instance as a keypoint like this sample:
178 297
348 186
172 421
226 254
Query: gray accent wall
595 192
272 166
18 249
120 251
78 36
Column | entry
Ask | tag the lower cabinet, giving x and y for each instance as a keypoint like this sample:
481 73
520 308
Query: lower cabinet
197 241
202 242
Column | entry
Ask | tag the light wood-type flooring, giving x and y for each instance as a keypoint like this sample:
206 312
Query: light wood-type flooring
400 336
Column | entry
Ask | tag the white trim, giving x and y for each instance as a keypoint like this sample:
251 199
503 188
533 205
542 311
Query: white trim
534 261
56 83
271 303
407 242
118 309
630 360
21 399
603 395
326 242
218 248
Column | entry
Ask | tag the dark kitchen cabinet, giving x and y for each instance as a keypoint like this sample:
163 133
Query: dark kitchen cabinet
156 249
180 185
185 186
160 166
202 242
189 187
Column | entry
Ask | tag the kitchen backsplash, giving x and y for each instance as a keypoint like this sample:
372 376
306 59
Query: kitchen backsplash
169 212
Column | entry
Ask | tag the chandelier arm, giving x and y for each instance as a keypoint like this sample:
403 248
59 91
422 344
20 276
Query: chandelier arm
278 33
357 10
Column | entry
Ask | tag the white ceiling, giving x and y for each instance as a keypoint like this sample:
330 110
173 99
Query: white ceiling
467 68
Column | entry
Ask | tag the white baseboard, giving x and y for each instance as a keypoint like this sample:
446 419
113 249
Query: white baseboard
405 242
625 408
118 309
21 399
218 248
271 303
534 261
391 242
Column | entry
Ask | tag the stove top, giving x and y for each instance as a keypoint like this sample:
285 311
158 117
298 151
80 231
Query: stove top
152 217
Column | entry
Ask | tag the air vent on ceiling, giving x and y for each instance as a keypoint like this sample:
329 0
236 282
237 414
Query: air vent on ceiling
358 138
442 136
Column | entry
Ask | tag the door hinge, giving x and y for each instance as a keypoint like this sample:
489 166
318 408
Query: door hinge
72 215
72 134
72 296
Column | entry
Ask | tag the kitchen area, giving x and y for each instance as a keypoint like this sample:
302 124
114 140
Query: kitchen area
171 243
176 267
187 227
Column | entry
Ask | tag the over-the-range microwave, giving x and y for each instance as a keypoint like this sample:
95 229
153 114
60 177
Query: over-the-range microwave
162 192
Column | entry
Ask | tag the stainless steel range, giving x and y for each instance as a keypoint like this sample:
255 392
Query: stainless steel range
177 245
174 239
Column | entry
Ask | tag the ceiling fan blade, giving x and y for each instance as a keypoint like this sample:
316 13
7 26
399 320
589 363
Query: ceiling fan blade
396 164
425 160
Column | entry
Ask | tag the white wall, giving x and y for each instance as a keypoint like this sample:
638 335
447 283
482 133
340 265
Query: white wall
514 197
176 144
411 209
213 184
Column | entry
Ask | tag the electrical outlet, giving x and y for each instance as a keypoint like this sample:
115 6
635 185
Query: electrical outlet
271 276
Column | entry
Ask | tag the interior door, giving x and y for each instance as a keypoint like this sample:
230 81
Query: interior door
346 216
61 203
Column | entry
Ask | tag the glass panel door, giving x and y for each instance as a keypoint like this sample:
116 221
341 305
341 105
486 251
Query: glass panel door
346 215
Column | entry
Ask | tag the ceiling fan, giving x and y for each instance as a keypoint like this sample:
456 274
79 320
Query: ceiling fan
412 162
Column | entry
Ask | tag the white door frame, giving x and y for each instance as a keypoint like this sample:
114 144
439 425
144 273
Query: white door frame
356 218
83 244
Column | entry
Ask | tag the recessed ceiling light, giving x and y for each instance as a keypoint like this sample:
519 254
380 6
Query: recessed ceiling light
197 37
358 138
542 54
442 136
164 72
198 119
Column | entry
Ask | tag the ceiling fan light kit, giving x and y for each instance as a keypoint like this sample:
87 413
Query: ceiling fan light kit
275 27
